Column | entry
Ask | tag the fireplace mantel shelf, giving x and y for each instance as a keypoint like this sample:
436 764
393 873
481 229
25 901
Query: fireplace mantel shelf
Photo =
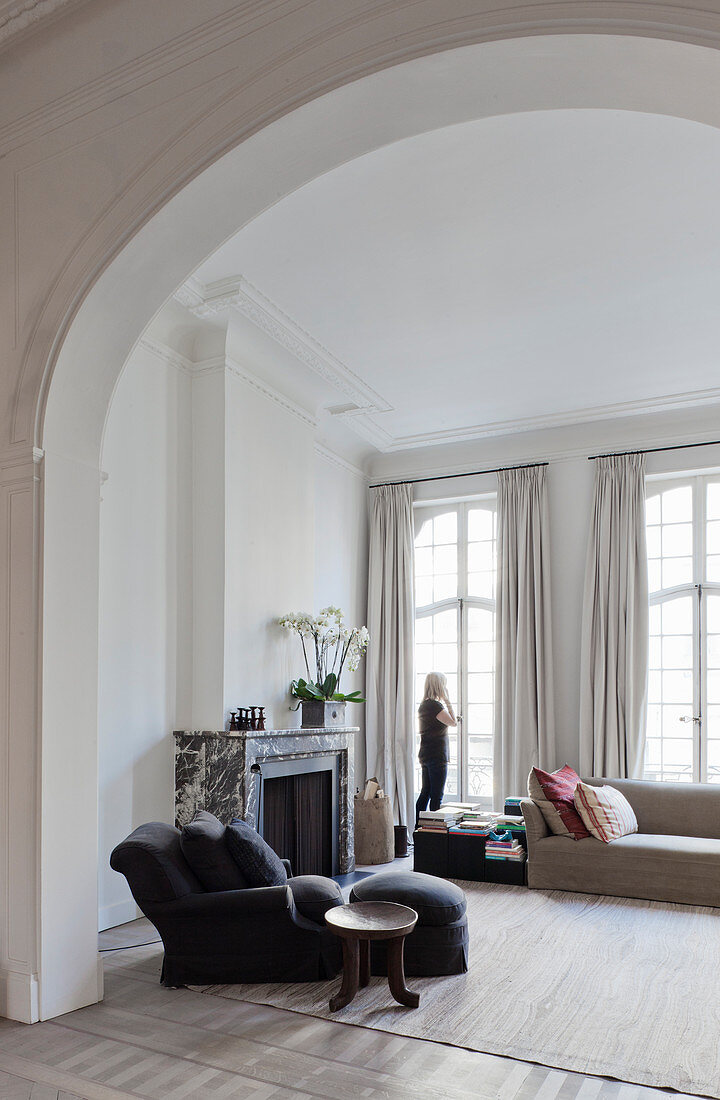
296 731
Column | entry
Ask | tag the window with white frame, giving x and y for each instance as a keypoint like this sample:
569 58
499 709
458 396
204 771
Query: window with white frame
455 569
683 716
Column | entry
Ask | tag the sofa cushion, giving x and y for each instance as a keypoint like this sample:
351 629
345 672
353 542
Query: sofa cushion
435 900
605 812
202 842
641 865
559 789
672 809
314 895
255 858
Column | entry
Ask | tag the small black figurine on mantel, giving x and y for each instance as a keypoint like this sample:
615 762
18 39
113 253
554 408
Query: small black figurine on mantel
234 720
261 718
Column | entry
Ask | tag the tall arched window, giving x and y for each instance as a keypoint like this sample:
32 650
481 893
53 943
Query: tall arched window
455 568
683 717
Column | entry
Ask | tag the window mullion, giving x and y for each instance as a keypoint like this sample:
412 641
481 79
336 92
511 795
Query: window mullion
700 644
462 653
699 661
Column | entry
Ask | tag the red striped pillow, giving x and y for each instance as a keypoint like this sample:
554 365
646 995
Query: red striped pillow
607 813
559 788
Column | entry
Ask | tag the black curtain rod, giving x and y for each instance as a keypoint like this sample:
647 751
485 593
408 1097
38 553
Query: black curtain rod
653 450
469 473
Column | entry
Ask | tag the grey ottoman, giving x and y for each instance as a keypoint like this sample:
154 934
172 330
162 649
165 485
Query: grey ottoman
439 943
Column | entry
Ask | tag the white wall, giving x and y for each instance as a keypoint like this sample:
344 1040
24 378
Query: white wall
341 565
218 515
145 639
270 547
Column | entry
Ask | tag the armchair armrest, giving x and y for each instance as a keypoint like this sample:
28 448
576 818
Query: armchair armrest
226 904
288 867
535 824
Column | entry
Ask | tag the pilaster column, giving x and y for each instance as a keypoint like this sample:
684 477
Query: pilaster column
20 527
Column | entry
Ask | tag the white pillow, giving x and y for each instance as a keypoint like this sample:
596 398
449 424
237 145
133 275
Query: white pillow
605 812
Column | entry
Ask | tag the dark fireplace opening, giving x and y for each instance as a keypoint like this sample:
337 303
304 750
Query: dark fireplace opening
298 814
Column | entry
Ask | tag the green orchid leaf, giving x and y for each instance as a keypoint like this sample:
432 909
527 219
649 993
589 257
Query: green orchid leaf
329 685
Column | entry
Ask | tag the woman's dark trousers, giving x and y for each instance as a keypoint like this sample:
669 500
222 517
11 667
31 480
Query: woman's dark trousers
433 785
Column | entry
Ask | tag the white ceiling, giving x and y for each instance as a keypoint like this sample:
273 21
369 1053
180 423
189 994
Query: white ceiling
524 270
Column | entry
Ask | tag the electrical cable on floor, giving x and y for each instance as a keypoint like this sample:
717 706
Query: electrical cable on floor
127 947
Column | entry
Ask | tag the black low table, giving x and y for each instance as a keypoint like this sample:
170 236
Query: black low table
359 923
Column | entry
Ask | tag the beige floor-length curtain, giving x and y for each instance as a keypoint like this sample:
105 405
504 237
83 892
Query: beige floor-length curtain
613 685
524 706
389 711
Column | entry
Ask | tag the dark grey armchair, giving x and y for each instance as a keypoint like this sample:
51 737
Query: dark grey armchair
265 934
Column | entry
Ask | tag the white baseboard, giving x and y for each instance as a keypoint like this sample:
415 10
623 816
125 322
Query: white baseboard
19 996
120 912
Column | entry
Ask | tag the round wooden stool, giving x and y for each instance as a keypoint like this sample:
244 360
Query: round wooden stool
357 924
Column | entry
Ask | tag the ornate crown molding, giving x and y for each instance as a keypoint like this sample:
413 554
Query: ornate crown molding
237 293
271 393
166 354
222 363
328 455
592 414
362 402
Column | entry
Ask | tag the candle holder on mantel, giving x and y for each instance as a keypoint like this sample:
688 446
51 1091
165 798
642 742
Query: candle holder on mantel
247 718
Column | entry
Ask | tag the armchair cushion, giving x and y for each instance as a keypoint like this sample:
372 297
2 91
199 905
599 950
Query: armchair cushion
314 895
203 844
255 858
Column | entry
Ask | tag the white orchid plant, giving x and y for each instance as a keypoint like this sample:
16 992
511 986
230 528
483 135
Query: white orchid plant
337 647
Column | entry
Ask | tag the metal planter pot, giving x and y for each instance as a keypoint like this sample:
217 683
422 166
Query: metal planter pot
322 715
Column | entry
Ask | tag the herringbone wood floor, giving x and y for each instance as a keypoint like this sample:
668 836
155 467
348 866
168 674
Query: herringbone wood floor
146 1041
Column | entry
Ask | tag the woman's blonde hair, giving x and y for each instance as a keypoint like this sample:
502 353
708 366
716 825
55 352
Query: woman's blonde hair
435 686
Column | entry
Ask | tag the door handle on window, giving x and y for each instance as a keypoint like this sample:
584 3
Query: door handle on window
688 718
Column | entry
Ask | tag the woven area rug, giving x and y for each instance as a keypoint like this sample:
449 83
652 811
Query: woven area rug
611 986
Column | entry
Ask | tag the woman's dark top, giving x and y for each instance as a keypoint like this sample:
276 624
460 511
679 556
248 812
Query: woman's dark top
434 740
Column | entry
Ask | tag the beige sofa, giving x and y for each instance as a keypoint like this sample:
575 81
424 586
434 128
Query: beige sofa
675 855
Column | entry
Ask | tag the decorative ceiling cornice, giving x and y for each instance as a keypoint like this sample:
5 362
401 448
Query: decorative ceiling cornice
668 403
326 453
17 16
224 363
237 293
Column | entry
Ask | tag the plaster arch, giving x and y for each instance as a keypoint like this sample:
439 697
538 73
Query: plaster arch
436 90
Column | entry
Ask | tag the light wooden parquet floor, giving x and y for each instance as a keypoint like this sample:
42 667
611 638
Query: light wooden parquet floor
146 1041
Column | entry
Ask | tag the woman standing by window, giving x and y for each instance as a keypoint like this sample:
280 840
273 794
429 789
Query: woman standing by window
435 714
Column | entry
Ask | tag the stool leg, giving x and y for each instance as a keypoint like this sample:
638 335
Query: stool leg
364 963
349 987
396 974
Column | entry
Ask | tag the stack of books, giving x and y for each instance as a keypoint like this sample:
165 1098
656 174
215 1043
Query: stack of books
475 822
505 849
472 828
438 821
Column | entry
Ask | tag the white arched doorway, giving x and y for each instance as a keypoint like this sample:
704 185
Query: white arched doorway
522 74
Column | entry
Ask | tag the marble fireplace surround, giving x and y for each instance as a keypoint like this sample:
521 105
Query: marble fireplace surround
214 771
